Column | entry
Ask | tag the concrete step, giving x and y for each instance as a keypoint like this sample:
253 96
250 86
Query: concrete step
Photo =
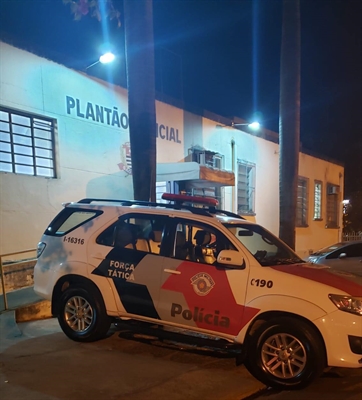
26 304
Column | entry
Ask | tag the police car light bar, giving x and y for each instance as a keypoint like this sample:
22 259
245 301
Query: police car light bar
182 198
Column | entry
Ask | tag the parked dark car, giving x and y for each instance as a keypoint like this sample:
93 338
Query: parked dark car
343 255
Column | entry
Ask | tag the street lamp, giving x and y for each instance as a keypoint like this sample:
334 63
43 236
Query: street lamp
104 59
253 125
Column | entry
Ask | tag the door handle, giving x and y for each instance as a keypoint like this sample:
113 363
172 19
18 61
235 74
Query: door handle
172 271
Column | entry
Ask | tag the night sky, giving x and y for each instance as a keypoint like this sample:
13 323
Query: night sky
224 56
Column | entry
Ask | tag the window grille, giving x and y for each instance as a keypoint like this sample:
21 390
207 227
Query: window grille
332 206
246 188
302 203
161 188
26 144
317 200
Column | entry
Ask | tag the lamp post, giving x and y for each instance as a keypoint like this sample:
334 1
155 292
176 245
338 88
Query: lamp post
103 59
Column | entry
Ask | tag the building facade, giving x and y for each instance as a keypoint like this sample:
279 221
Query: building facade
64 136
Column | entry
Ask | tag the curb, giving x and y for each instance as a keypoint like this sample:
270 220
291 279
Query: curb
8 326
34 311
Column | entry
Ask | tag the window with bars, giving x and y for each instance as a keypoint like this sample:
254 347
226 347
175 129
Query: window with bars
317 200
332 206
213 192
246 188
161 188
26 144
302 202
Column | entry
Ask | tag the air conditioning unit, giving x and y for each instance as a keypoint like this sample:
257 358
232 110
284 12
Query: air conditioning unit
201 157
217 162
333 190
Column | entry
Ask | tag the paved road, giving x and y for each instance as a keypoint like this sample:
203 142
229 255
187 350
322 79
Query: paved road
43 364
38 362
334 384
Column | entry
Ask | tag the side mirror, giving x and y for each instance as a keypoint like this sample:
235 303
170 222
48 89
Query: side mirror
231 258
342 255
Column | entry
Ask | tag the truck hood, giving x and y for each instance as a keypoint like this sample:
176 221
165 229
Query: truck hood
335 278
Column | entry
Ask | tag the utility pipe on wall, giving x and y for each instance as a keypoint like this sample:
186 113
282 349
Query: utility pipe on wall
233 191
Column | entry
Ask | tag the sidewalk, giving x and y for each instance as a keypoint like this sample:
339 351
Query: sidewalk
26 304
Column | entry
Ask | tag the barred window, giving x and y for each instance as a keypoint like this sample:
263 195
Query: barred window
302 203
213 192
317 200
26 144
332 206
161 188
246 188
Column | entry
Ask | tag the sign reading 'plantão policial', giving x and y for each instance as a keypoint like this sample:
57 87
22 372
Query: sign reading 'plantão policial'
113 117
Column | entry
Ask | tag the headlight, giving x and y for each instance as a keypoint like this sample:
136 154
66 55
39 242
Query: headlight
40 249
347 303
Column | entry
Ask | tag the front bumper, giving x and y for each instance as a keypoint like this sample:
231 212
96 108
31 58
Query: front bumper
342 333
355 343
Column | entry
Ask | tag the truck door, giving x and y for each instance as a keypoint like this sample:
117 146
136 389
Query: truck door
196 292
133 262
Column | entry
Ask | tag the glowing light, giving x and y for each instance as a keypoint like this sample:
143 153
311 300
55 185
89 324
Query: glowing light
254 125
107 58
103 59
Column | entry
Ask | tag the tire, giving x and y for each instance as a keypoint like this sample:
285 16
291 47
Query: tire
285 353
82 315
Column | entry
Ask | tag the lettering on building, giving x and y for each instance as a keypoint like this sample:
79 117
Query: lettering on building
114 117
167 133
97 113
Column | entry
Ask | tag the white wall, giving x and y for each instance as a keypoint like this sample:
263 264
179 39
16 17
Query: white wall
90 153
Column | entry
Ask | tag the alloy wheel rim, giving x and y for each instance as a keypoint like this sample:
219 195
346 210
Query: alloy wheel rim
78 314
284 356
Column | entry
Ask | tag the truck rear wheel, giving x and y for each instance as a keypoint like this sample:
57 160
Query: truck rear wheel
82 315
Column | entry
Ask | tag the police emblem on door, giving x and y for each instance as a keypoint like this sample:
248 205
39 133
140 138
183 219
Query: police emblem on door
202 283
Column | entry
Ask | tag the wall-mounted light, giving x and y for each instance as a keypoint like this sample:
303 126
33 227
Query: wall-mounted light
253 125
104 59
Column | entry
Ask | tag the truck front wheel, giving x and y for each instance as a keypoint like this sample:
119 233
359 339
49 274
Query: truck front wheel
285 353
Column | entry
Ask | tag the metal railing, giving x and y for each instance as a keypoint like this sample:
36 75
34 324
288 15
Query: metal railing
349 237
17 263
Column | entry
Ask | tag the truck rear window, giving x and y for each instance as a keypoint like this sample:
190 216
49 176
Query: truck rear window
70 219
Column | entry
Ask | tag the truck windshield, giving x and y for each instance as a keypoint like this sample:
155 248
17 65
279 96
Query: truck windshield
266 248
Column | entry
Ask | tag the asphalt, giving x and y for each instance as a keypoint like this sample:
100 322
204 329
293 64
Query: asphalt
39 362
